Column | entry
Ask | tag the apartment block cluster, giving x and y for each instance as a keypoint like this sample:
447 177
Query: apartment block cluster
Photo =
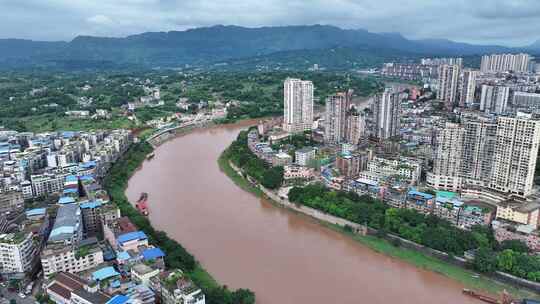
58 222
469 166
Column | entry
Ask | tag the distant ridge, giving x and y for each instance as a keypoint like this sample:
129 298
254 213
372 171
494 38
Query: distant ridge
208 45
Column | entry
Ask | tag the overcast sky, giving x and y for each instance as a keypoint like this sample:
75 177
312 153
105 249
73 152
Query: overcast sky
505 22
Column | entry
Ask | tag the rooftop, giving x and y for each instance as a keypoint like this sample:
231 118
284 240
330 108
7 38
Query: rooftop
36 212
152 254
68 220
118 299
66 200
92 297
60 290
91 204
130 236
142 269
104 273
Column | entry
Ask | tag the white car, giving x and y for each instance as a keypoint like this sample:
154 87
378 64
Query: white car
22 295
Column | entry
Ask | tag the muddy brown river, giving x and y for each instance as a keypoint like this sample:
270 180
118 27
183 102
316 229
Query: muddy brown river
247 242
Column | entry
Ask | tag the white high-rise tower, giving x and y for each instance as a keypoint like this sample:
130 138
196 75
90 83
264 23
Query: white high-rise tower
298 107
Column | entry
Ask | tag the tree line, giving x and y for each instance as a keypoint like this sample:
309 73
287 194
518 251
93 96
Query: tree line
242 157
489 255
176 255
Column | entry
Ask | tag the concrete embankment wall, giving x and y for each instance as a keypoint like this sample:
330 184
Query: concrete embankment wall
458 261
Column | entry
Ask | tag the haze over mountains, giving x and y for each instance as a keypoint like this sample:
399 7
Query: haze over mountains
233 44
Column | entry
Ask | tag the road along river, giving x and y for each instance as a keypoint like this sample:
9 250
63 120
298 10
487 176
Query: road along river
245 241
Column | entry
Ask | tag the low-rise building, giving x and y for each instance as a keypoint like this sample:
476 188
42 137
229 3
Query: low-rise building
68 226
297 172
74 259
404 168
67 288
304 156
519 212
281 159
47 183
142 273
175 288
17 254
132 241
11 201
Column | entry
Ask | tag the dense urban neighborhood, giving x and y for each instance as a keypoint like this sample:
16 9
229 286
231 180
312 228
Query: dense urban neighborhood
433 153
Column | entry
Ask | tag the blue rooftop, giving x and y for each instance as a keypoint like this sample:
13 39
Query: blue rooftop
91 204
88 164
86 178
118 299
152 254
123 256
37 211
130 236
71 178
104 273
426 196
68 134
70 190
66 200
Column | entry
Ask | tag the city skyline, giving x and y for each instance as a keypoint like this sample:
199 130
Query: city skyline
481 22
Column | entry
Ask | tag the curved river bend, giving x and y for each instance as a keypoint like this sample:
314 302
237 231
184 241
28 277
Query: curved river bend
283 257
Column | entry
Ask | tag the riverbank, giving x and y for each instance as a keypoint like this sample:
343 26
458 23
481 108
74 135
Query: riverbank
468 278
176 255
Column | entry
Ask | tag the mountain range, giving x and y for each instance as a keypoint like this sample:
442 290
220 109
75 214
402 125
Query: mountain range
229 45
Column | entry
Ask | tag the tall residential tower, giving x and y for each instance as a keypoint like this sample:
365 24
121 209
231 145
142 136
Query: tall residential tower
448 84
386 114
298 105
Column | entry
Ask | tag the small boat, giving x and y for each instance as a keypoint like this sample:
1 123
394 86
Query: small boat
141 204
150 156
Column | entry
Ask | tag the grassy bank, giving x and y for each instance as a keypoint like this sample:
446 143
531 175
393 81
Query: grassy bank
421 260
176 255
240 181
416 258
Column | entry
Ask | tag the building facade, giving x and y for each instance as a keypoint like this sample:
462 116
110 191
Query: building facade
526 101
467 87
505 62
337 107
498 155
17 253
298 105
494 99
448 84
386 114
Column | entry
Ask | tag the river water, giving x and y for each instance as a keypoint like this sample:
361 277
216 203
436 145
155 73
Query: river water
247 242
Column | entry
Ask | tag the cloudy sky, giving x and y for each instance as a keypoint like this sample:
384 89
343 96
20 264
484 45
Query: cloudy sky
505 22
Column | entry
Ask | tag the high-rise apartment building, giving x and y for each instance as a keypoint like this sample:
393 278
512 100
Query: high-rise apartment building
386 114
337 107
448 84
505 62
516 152
447 157
478 151
526 101
298 107
467 87
496 154
356 125
494 99
440 61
